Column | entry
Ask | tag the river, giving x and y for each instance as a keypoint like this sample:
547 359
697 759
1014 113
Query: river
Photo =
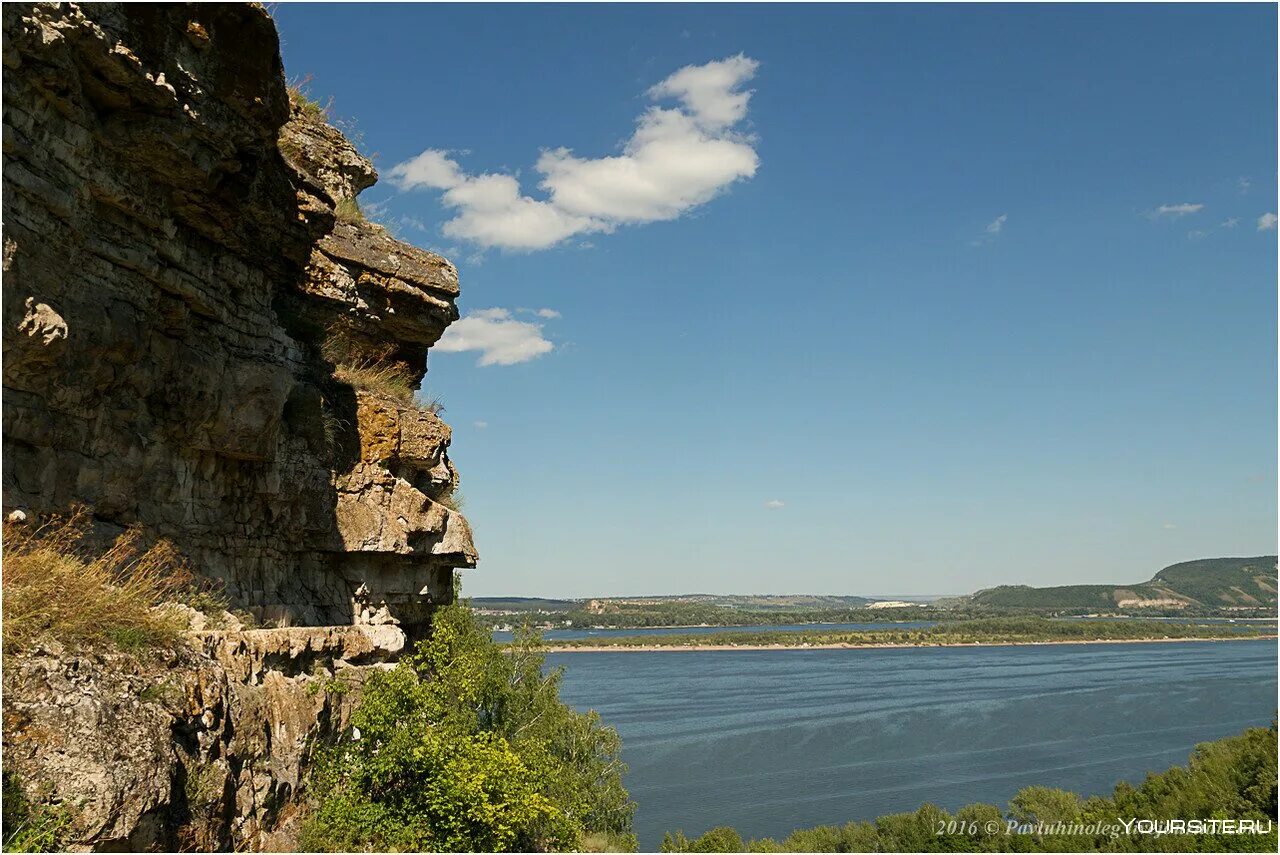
769 741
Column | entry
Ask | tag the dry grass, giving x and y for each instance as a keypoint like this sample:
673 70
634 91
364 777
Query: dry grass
300 96
385 379
53 589
453 500
348 211
429 405
377 372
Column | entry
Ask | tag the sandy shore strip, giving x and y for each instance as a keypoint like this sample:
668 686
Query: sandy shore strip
694 648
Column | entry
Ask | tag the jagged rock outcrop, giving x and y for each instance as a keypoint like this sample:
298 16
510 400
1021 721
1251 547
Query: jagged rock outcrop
178 286
201 747
190 302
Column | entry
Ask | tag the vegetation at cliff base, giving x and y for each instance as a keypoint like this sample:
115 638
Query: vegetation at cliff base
465 746
31 826
56 588
1230 779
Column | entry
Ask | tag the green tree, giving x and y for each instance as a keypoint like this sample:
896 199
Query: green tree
465 746
1045 805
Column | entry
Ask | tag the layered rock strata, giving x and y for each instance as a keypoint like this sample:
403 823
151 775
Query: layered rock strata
201 747
203 338
185 270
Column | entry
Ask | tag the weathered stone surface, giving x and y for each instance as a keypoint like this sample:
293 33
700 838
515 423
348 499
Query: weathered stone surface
173 266
203 747
174 273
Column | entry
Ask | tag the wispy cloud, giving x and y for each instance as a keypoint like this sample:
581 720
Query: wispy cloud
1174 211
677 159
1243 184
992 231
1267 222
480 425
500 339
1228 223
774 504
1169 526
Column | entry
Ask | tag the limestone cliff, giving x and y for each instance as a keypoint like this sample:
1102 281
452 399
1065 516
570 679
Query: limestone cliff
191 309
178 287
205 746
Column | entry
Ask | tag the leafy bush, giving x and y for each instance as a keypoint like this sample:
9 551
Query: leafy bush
467 747
53 587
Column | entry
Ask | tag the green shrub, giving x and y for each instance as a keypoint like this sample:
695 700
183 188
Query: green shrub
467 747
32 826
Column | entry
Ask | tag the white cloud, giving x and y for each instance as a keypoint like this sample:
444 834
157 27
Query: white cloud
1169 526
991 232
1179 210
774 504
1229 223
547 313
1266 222
676 159
480 425
500 339
1244 184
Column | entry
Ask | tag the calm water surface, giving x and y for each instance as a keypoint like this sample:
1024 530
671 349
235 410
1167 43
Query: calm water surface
769 741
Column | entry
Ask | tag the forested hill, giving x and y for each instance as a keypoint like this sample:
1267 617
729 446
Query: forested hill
1216 583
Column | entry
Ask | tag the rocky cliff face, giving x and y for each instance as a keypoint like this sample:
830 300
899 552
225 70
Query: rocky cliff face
193 309
179 289
201 747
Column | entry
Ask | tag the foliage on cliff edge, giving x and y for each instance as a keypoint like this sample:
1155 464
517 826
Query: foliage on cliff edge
467 747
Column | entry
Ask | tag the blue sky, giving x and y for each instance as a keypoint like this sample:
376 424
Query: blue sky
960 296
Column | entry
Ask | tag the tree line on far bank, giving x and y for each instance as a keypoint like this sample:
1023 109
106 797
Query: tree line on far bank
1008 630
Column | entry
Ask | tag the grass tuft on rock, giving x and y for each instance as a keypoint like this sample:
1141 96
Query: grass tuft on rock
452 499
56 589
377 372
300 97
348 211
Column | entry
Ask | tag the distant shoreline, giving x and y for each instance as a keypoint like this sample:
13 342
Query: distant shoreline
695 648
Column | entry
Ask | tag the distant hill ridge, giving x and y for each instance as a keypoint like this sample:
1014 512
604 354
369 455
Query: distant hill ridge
1210 582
